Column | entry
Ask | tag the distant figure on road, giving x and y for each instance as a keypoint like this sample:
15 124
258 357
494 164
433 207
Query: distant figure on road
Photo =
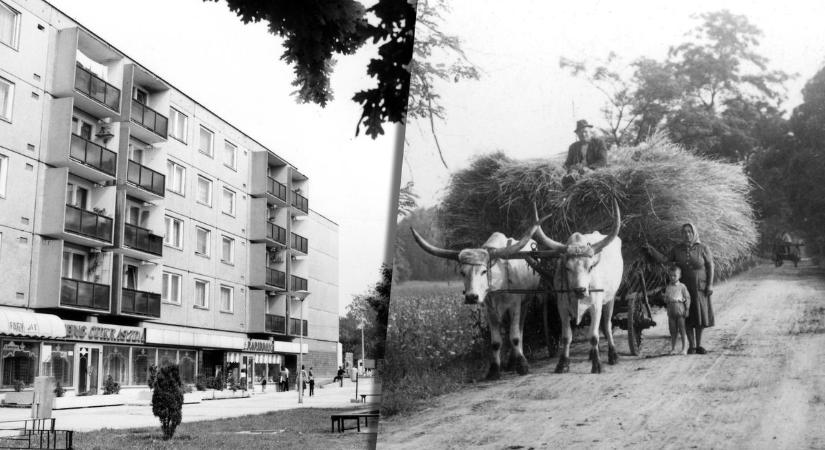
340 376
303 379
311 383
263 384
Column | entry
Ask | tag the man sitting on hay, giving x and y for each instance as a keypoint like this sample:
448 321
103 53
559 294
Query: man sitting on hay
588 153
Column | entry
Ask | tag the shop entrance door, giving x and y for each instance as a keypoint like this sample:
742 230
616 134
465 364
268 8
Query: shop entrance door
88 369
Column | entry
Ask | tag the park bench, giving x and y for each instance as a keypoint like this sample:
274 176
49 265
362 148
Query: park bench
357 415
364 397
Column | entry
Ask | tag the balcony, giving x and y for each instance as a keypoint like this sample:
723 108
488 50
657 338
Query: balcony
299 243
295 327
298 284
84 294
275 278
88 224
277 191
300 202
152 184
140 303
275 324
141 239
153 125
95 88
93 155
275 234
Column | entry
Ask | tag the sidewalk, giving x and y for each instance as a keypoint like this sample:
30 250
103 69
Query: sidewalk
88 419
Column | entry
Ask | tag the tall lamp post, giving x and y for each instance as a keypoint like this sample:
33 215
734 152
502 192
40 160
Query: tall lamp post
301 296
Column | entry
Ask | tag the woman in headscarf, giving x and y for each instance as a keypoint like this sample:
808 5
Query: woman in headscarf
696 263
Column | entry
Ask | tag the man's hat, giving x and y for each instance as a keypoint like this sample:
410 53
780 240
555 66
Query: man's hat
582 124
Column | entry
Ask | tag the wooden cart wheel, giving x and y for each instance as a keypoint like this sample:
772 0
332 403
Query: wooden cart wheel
634 333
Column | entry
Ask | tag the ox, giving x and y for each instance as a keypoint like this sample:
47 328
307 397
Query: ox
587 276
485 271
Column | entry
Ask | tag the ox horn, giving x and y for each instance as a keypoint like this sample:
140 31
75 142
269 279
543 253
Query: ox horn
543 238
509 250
599 246
432 249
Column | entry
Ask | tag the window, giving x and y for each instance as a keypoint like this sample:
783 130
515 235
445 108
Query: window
174 233
177 124
76 195
202 293
4 173
202 244
130 276
58 361
204 190
9 25
230 154
205 144
6 96
171 288
175 177
142 359
20 361
227 250
140 95
74 265
228 204
227 298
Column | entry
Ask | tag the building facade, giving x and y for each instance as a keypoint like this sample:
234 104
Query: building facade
138 228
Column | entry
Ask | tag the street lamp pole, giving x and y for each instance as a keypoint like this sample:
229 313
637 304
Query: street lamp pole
300 389
363 325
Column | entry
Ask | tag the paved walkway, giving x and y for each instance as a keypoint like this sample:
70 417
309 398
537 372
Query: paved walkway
88 419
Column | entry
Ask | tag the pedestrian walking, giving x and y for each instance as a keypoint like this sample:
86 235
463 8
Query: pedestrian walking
311 383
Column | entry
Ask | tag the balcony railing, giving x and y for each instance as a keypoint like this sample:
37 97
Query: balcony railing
275 188
142 239
93 155
149 118
294 327
95 88
298 283
88 223
275 233
275 278
84 294
300 202
140 303
299 243
275 324
146 178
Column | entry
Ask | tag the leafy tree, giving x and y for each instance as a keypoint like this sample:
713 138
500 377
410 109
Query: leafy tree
370 310
167 399
411 263
316 30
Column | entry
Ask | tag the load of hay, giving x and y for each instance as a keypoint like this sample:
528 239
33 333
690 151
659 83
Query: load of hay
659 186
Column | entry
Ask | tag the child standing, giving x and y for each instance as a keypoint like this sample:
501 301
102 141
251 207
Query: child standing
678 304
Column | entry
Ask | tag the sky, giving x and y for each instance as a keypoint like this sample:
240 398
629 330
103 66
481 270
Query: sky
527 107
233 69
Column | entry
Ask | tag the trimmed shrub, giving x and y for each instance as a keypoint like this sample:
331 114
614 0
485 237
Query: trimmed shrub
167 399
111 386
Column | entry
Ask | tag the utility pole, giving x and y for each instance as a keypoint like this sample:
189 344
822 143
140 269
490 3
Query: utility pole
302 296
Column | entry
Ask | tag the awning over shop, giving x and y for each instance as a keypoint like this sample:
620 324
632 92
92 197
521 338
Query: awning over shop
190 339
21 322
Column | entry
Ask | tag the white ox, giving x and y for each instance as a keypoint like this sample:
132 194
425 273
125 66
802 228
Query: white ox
485 272
587 276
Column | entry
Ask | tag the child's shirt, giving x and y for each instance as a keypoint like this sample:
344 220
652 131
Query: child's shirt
677 293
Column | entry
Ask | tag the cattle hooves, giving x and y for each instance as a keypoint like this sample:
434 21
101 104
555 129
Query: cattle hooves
597 367
612 356
493 374
563 366
522 368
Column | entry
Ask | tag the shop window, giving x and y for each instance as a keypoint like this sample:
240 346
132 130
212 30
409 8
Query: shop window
116 364
142 359
58 362
167 357
186 365
20 362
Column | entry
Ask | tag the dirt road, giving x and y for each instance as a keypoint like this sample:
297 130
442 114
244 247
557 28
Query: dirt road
761 385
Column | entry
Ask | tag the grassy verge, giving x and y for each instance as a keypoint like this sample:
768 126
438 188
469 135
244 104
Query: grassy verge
294 429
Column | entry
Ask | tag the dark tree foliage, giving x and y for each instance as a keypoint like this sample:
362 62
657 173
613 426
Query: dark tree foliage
167 399
372 311
316 30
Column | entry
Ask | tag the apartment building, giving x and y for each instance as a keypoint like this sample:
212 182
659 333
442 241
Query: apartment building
138 228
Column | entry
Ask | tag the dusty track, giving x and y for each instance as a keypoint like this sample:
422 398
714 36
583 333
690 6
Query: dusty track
762 385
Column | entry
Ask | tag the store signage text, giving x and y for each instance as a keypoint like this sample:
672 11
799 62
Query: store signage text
104 333
259 345
23 327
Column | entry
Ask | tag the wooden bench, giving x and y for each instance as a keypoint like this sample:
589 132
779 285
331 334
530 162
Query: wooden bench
341 418
364 397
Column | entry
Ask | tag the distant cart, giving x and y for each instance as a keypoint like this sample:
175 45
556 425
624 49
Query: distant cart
786 251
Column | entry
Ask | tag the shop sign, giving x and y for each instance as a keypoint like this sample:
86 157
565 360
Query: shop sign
21 327
85 331
259 345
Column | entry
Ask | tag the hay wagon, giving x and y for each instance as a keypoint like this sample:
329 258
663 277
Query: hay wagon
631 307
786 251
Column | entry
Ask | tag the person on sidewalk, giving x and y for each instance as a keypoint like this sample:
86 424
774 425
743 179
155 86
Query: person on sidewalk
311 383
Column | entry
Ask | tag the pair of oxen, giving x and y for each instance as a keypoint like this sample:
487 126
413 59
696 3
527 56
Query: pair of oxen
588 271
